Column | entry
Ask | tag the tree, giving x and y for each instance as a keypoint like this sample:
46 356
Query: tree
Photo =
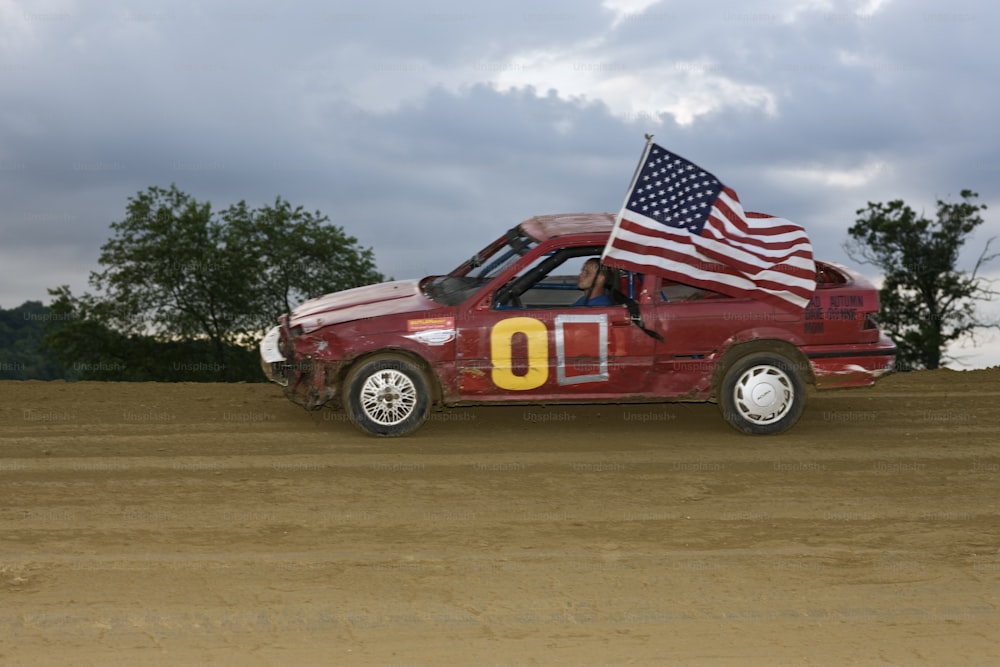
926 301
21 332
176 272
88 349
298 256
170 272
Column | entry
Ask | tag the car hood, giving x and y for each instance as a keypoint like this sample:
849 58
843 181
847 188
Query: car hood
399 296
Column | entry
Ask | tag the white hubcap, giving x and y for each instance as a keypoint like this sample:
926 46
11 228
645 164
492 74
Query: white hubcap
763 394
388 397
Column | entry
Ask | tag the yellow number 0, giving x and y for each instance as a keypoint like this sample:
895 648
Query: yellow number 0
501 349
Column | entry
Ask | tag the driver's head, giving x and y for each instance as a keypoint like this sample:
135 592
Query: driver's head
593 276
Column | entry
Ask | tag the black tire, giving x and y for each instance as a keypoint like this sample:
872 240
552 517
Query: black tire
762 394
387 395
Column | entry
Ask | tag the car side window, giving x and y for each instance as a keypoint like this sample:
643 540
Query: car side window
544 283
674 291
548 282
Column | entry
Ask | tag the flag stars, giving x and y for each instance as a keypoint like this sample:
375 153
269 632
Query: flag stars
673 191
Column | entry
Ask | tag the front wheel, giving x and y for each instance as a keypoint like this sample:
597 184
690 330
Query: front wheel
387 395
762 394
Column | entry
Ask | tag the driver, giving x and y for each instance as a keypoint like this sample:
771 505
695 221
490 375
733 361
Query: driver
593 280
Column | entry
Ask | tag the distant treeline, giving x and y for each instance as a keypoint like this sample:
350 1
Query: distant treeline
90 351
182 293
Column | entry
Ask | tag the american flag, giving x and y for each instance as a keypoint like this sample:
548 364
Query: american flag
681 223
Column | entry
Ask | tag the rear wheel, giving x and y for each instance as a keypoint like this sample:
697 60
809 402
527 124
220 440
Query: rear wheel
762 394
387 395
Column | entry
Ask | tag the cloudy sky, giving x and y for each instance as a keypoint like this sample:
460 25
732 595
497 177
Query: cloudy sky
427 128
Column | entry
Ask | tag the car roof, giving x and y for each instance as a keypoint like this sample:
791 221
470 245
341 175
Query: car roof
544 227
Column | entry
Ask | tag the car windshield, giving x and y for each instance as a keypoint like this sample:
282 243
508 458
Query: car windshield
479 269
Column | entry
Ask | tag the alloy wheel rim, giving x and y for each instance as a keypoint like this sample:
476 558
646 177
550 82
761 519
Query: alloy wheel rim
388 397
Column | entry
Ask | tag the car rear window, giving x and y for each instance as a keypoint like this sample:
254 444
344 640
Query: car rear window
829 276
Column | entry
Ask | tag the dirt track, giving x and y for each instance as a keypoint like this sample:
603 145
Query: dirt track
189 524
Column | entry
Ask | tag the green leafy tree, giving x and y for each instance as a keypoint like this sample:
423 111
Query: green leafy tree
926 301
181 281
298 256
170 272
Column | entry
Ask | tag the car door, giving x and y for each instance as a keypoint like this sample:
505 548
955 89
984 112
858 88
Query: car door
549 351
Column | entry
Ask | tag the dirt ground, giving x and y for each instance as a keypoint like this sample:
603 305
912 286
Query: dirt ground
192 524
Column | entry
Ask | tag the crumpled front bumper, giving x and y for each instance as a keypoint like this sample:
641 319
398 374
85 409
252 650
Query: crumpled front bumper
305 380
272 361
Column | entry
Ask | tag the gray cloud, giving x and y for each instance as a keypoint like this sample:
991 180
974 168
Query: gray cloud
427 131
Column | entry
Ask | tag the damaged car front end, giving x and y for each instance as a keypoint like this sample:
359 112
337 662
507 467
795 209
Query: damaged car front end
309 350
303 365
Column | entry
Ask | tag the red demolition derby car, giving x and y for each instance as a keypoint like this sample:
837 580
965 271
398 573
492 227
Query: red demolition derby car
501 328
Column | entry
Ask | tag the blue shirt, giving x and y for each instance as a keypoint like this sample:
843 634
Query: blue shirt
602 300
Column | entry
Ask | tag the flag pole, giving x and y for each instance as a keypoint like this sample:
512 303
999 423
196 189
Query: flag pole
634 312
628 193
